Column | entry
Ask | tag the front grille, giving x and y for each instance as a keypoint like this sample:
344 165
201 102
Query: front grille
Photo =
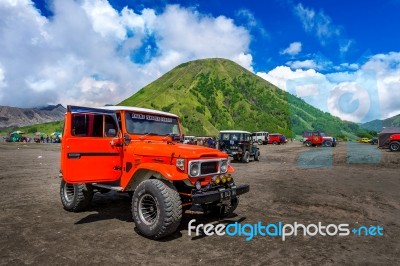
209 168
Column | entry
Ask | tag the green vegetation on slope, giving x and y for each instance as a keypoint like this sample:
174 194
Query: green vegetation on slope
378 125
216 94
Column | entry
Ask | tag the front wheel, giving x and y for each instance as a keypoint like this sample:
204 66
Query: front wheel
156 208
246 157
257 156
75 197
394 146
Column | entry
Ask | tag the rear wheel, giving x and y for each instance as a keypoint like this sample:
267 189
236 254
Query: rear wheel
327 143
308 143
156 208
75 197
246 157
394 146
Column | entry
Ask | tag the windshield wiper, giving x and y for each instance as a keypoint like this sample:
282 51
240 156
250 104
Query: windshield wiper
148 134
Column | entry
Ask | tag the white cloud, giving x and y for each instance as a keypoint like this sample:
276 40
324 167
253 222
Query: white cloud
367 92
82 55
281 74
105 19
317 22
251 22
293 49
246 14
193 35
305 64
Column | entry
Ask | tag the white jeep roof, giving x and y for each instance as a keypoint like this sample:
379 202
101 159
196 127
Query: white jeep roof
136 109
234 131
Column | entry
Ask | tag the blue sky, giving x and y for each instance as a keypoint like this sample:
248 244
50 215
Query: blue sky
340 56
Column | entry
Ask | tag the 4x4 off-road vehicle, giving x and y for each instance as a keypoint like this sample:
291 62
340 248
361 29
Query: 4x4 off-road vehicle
318 138
239 145
137 150
394 142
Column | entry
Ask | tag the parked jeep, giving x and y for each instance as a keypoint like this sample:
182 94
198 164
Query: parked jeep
318 138
137 150
394 142
239 145
261 137
276 139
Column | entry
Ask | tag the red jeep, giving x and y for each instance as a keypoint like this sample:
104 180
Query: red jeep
318 138
394 142
138 150
275 139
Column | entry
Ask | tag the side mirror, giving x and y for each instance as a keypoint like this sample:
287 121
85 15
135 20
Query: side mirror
127 139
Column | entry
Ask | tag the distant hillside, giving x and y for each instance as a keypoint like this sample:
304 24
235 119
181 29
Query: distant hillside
377 125
19 117
215 94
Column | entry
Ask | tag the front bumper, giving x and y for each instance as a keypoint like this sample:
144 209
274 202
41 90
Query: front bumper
219 195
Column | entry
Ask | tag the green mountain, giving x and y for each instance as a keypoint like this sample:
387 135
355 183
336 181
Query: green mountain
377 125
216 94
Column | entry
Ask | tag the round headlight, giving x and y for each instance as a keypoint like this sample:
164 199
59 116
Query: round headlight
195 169
224 166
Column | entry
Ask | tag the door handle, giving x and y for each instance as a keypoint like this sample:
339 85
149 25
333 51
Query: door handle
74 155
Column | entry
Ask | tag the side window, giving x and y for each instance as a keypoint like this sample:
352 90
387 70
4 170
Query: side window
93 125
110 128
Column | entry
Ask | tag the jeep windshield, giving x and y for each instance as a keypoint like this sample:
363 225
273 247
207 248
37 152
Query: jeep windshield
151 124
234 137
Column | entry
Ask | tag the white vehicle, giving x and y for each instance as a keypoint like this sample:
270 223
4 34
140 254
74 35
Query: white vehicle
260 137
187 139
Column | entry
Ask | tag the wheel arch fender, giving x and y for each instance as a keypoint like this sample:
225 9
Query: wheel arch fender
167 173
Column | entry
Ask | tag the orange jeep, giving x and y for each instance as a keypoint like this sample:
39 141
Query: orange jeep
138 150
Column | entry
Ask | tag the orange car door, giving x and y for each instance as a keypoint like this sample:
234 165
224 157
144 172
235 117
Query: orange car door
88 152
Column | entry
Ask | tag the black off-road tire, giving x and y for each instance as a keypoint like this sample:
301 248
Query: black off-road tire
225 210
260 142
308 143
275 143
327 143
246 157
394 146
76 197
257 156
156 208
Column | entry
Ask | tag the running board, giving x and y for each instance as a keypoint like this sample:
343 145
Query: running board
116 188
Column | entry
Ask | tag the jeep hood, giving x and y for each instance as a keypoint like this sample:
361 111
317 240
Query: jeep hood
176 150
